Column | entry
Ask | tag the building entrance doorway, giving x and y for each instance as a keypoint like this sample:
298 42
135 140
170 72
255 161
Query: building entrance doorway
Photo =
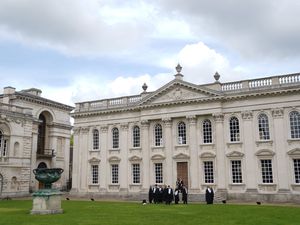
182 172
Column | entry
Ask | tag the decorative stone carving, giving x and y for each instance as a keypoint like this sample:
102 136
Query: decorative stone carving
167 121
104 129
218 117
94 160
277 113
85 130
247 115
265 152
124 126
192 119
145 124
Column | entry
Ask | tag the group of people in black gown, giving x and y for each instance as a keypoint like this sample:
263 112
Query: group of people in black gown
165 194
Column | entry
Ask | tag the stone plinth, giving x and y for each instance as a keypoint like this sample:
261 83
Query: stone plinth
46 201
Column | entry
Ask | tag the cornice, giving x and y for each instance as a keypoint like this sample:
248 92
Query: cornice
43 101
224 97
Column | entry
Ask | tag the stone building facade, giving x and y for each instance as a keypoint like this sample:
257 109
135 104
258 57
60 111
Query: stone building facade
241 138
34 132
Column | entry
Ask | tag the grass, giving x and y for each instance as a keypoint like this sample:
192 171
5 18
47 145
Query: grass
129 213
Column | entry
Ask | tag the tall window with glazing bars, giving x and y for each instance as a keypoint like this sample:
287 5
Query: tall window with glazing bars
263 127
181 133
158 136
136 136
95 139
207 131
295 124
3 144
115 137
234 129
208 172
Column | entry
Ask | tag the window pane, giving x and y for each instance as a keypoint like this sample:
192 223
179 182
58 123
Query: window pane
297 170
181 133
208 172
95 139
207 131
115 137
266 170
158 173
136 136
136 173
95 174
234 129
295 124
236 168
263 127
158 135
114 173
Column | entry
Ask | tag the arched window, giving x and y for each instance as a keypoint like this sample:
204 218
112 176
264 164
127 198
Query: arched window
158 135
115 137
207 131
295 124
181 133
234 129
3 145
95 139
136 136
263 127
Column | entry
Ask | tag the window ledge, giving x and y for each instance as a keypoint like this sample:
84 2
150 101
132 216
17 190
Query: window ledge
293 140
157 147
114 149
94 185
95 150
237 184
181 146
264 142
135 149
237 143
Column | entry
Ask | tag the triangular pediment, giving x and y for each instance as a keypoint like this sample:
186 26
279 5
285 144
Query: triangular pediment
181 156
178 91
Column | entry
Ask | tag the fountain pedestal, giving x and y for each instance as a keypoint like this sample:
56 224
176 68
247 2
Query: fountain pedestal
48 200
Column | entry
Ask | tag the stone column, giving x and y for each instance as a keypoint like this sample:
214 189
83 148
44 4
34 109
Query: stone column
193 168
249 175
145 144
103 156
280 156
85 168
123 167
220 149
33 155
168 151
76 164
53 145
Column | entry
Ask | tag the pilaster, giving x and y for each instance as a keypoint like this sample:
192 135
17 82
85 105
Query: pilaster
168 151
194 168
124 164
103 173
145 154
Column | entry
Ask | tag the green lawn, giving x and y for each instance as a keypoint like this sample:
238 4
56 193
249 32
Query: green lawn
116 213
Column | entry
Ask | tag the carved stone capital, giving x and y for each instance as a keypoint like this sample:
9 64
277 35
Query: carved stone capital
104 129
167 121
124 126
145 124
247 115
76 131
192 119
85 130
277 113
218 117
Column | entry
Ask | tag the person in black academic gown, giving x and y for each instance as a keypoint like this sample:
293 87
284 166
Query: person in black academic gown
209 195
151 194
169 195
176 196
184 194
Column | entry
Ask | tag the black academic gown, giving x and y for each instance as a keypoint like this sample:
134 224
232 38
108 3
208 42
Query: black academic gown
209 196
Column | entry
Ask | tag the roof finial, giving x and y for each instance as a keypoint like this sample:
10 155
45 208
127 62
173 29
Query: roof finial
145 87
178 76
217 77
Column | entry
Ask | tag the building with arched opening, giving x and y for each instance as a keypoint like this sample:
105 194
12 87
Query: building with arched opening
34 132
242 138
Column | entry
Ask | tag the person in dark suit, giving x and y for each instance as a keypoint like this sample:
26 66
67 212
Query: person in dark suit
156 194
151 194
169 195
209 195
184 194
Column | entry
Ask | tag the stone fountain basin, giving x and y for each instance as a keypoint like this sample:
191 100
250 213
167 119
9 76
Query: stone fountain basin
48 175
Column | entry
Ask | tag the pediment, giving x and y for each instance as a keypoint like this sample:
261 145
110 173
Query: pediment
294 152
235 154
157 157
208 154
181 156
265 152
135 158
177 91
94 160
114 159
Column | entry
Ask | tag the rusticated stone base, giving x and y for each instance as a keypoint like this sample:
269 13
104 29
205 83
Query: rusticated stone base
46 201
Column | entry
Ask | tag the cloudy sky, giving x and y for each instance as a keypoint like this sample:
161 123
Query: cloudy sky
77 50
